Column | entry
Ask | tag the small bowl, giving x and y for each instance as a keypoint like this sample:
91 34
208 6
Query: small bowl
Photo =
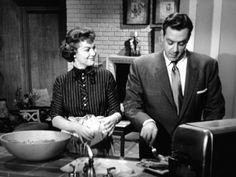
35 145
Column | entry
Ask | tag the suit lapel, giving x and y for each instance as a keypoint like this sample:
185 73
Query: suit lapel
162 76
191 78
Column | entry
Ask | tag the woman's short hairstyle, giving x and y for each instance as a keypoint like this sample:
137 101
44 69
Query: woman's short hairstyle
177 21
73 37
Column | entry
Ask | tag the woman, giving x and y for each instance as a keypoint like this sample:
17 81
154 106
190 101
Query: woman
85 93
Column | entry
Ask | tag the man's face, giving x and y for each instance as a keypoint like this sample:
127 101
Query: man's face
174 43
85 54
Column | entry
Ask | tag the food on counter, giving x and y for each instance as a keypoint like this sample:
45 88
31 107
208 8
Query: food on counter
160 163
94 124
153 164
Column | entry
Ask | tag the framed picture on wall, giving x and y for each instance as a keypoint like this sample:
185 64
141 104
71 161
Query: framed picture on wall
136 12
162 8
156 39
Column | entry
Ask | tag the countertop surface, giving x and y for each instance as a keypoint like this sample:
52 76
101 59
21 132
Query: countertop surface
13 167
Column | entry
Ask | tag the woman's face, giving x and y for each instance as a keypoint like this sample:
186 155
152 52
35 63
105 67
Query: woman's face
85 55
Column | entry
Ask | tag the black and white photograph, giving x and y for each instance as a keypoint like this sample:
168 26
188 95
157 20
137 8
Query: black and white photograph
117 88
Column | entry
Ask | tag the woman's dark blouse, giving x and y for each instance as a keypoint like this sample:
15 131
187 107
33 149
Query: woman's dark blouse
81 92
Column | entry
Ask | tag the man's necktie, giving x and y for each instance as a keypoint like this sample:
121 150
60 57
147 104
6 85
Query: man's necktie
176 87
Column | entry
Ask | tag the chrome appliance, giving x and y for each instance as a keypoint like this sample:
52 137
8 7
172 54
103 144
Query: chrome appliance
204 149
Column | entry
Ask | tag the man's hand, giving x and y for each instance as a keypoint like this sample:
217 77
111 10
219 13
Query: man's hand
149 132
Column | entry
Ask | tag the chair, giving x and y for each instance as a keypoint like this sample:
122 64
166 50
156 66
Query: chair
121 129
33 122
126 132
30 115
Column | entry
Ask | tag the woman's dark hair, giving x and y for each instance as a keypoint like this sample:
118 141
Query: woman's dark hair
69 45
177 21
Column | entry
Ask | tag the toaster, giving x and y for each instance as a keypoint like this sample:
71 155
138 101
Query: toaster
204 149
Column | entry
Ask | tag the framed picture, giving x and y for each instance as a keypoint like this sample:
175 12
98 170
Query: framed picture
136 12
162 8
156 39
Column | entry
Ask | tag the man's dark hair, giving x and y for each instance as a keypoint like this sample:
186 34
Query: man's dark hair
177 21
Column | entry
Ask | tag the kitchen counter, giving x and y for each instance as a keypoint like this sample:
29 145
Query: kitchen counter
13 167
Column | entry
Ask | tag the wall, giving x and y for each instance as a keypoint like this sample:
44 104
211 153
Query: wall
215 36
20 60
211 35
227 55
105 17
203 26
11 54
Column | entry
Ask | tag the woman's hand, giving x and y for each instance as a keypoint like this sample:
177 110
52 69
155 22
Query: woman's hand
109 123
73 126
83 131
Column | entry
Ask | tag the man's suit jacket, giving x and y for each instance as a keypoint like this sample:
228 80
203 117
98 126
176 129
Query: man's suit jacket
149 94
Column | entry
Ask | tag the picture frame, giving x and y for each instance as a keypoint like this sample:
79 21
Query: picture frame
156 39
162 8
136 12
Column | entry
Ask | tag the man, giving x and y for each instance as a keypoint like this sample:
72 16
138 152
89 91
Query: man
171 87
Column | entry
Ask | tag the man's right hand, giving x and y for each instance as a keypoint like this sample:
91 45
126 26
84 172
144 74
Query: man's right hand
149 132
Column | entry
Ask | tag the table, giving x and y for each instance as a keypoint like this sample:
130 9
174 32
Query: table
13 167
